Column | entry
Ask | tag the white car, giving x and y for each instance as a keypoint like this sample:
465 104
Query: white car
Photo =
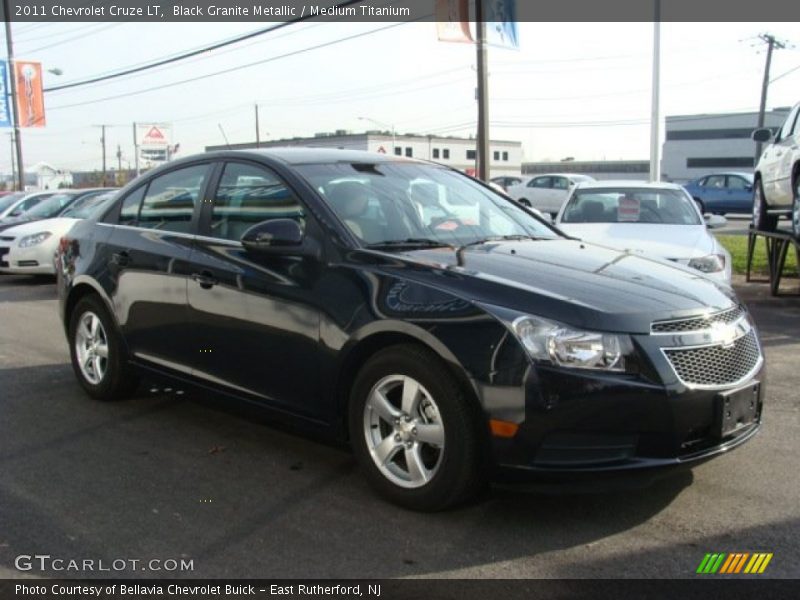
546 192
29 249
659 220
776 189
17 203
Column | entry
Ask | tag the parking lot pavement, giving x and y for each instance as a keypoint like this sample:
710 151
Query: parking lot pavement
179 476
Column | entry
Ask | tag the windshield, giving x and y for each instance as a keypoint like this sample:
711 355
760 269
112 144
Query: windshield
50 207
412 203
631 205
7 201
86 207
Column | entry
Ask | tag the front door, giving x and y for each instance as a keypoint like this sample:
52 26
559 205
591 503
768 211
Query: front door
256 316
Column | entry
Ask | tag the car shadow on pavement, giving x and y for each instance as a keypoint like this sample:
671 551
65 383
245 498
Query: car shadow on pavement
23 288
169 476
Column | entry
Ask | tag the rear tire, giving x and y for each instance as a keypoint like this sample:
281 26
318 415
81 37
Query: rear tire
416 434
97 352
762 221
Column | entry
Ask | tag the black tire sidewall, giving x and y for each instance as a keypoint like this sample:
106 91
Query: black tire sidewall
460 471
765 222
118 380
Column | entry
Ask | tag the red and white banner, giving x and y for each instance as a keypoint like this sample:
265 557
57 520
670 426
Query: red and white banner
452 21
30 98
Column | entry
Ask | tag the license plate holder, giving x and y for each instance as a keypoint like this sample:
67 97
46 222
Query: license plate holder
737 409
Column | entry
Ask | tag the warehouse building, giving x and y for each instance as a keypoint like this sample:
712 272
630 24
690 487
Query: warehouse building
456 152
696 145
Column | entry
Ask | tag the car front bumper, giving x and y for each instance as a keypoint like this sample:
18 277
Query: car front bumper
578 424
36 260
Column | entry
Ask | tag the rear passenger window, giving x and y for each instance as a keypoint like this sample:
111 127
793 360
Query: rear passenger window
171 199
249 194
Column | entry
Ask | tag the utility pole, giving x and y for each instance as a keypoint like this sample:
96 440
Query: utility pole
482 152
258 138
103 143
13 162
772 43
14 108
135 149
655 115
119 166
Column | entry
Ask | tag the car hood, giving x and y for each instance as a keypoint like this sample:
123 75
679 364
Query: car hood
581 284
55 226
663 241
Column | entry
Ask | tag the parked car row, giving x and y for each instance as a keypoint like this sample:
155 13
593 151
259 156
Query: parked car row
29 237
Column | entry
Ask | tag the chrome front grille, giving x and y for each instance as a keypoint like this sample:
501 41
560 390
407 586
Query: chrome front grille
697 323
718 365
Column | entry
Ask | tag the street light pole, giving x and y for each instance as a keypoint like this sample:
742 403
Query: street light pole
482 152
14 109
655 115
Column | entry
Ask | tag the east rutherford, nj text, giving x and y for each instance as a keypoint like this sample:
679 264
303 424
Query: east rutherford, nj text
24 589
309 10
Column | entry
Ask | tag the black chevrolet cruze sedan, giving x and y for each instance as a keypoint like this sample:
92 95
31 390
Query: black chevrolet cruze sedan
449 334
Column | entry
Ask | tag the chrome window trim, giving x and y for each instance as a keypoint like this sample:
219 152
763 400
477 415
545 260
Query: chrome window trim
192 236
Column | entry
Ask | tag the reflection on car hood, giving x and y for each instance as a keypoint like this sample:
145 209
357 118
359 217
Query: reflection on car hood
664 241
570 281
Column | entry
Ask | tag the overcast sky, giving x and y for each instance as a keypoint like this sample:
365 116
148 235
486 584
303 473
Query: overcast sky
573 89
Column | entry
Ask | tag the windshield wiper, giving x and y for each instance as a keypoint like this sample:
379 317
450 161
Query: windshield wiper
410 243
499 238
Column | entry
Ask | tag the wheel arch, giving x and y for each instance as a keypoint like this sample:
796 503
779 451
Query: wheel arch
82 287
376 337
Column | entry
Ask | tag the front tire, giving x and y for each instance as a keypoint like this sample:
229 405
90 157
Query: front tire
416 434
525 202
97 352
762 221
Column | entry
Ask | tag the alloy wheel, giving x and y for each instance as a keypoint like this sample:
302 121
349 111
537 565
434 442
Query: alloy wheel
404 431
91 347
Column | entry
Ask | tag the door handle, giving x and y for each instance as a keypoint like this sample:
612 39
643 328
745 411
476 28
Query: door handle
121 259
205 279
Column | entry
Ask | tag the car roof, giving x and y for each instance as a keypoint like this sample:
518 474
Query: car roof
294 155
629 184
559 175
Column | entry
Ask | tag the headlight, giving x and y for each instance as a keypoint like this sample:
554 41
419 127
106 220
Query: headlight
33 240
558 344
713 263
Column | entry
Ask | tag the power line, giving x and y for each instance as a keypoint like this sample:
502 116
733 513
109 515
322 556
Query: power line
84 35
237 68
192 53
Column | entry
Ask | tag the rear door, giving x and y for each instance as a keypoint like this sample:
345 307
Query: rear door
148 265
739 194
256 316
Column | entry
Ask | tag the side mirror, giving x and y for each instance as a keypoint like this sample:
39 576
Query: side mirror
762 135
749 188
715 221
277 236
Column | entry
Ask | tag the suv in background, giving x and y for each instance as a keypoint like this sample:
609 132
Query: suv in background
776 189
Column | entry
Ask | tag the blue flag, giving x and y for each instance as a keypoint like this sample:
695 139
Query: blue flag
5 118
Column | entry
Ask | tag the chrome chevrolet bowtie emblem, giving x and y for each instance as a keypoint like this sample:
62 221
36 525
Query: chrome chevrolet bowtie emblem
726 334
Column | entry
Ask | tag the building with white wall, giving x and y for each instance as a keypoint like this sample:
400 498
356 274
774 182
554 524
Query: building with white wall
696 145
456 152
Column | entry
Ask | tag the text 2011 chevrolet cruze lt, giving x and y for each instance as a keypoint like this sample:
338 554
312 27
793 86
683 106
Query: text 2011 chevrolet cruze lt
449 334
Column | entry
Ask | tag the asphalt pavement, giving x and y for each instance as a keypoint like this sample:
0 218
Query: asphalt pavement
180 476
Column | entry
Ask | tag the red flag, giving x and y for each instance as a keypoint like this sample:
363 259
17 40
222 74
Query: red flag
452 21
